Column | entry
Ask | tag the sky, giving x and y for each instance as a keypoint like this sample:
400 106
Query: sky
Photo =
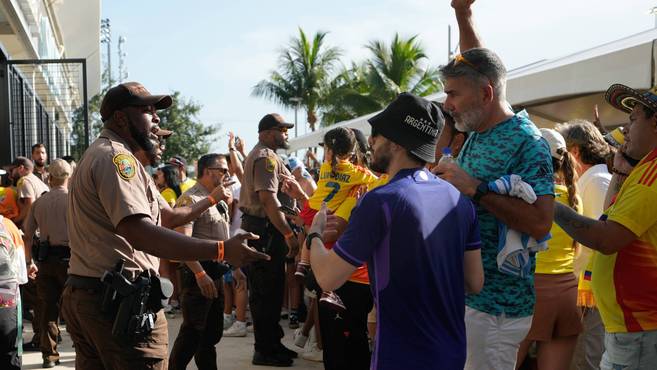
215 51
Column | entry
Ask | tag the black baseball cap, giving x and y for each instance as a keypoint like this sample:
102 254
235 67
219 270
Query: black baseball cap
130 94
412 122
273 120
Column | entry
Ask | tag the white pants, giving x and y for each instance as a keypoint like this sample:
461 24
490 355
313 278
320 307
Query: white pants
493 341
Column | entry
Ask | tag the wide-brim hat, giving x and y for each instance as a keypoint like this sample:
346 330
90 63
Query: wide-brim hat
625 98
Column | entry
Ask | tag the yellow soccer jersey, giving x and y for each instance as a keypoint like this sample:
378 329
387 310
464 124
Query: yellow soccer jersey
625 283
334 187
344 210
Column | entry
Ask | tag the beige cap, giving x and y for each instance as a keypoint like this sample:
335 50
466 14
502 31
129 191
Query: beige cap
556 141
60 169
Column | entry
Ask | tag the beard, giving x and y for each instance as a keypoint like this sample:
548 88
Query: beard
282 143
469 120
40 163
381 162
143 139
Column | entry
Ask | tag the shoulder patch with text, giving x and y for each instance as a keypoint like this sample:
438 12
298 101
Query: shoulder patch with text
126 165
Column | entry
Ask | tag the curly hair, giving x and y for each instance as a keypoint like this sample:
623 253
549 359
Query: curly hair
582 134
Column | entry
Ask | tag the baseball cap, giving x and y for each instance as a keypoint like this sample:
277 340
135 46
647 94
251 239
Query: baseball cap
273 120
625 98
130 94
412 122
178 161
60 169
159 131
556 141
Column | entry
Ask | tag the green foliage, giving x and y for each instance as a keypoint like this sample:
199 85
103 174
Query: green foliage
399 67
191 138
303 71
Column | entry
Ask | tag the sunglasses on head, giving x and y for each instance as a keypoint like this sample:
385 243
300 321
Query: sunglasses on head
459 58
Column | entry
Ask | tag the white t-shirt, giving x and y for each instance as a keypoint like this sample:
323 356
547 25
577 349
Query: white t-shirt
592 187
236 220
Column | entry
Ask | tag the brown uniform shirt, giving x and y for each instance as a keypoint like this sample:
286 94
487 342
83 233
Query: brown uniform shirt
262 170
211 224
108 185
48 214
29 186
43 175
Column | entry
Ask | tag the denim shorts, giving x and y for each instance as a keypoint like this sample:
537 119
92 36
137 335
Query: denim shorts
630 351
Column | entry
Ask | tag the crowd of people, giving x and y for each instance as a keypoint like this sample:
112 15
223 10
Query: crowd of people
456 236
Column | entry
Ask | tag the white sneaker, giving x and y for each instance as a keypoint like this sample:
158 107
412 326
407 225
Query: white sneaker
238 329
299 339
313 354
228 321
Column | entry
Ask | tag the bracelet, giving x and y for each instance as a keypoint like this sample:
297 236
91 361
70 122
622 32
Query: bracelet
199 274
232 149
220 250
289 235
212 200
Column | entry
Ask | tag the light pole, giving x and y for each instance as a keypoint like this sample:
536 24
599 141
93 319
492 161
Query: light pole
297 100
106 38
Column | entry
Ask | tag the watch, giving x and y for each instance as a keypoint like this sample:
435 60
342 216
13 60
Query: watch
310 237
482 189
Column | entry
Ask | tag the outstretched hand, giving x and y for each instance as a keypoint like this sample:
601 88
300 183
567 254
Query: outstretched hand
238 253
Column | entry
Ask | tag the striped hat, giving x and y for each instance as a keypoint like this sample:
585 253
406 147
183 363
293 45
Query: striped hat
624 98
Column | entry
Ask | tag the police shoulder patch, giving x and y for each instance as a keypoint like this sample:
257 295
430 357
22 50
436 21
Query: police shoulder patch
126 166
270 165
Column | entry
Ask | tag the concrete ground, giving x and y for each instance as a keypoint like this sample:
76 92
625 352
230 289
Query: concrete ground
232 353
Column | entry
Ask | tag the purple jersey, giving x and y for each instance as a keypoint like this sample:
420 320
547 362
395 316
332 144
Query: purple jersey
413 233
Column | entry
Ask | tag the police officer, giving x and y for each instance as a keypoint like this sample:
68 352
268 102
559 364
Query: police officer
113 220
48 215
261 199
202 298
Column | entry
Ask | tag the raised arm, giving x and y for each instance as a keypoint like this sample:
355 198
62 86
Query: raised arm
468 36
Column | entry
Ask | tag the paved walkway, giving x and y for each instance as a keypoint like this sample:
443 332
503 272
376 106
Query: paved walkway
233 353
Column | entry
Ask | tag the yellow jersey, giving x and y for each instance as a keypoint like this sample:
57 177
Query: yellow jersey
560 255
335 186
625 283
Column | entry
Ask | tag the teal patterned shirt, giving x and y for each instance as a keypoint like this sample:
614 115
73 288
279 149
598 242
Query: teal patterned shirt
514 146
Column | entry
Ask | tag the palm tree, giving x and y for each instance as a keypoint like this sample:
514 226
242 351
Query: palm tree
399 67
304 68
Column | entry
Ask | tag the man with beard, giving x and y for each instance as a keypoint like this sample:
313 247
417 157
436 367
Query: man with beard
419 238
113 220
40 157
500 143
261 200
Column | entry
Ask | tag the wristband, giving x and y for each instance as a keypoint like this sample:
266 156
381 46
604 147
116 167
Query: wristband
310 237
289 235
220 250
199 274
212 200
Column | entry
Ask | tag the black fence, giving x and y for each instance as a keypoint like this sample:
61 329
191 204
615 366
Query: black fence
42 101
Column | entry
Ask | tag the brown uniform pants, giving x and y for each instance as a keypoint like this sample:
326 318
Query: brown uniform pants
202 326
30 299
97 349
50 284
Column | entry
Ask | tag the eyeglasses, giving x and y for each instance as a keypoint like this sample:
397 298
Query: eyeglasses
223 170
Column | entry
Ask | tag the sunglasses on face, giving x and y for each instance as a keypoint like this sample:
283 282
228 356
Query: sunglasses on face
220 169
281 129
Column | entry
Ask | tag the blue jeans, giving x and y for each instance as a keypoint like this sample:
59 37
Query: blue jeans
630 351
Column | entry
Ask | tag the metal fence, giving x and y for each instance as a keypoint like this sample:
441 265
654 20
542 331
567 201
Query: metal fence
42 101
